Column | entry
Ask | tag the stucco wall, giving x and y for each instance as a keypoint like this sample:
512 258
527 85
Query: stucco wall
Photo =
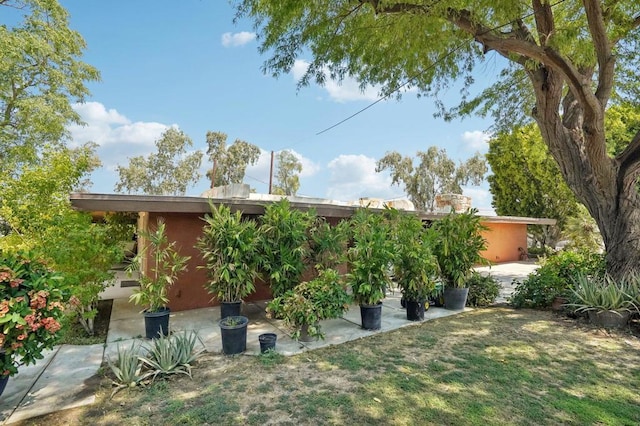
503 240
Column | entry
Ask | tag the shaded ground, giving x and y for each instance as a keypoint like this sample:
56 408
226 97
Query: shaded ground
76 335
488 366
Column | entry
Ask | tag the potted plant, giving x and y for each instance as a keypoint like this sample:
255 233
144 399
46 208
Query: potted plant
457 247
415 267
284 245
233 332
165 264
229 247
370 254
327 245
310 302
31 307
607 302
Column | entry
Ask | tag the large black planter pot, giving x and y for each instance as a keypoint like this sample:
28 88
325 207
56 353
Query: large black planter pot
156 323
609 319
230 309
3 383
371 316
267 342
455 298
415 310
233 331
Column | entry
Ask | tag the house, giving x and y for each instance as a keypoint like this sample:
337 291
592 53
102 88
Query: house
506 236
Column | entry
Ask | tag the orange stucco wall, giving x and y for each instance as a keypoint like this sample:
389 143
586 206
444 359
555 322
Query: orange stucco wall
189 292
503 240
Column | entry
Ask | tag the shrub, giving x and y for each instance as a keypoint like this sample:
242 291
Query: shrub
555 278
483 290
31 307
604 294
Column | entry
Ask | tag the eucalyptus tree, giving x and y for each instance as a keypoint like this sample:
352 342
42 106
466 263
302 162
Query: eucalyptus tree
287 173
566 61
168 171
434 174
229 163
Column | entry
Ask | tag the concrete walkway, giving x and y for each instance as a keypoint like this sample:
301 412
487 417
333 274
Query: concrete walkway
66 377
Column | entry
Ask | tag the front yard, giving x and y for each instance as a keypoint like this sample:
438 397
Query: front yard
490 366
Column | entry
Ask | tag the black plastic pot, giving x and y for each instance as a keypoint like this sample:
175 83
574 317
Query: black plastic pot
455 299
3 383
156 323
415 310
230 309
371 316
267 341
233 331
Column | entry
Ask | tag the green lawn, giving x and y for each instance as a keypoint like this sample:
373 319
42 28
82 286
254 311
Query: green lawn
493 366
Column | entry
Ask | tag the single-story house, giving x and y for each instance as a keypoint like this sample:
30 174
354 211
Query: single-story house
506 236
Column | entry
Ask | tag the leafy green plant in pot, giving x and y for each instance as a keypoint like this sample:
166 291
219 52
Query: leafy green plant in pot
165 265
310 302
607 302
327 245
369 256
415 268
233 332
284 245
457 246
229 247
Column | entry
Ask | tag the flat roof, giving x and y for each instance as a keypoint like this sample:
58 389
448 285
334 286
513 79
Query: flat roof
187 204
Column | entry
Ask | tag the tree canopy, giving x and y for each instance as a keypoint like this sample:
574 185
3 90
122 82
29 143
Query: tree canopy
567 60
40 76
168 171
287 173
229 162
435 174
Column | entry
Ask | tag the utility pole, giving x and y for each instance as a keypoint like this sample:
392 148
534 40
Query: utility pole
271 174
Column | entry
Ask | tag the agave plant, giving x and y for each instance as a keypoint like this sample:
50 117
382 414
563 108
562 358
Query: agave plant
171 355
605 294
127 368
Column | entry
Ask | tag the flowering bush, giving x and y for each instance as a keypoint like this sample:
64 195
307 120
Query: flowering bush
30 310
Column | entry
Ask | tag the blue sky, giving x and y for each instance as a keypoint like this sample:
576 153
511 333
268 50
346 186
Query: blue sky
186 64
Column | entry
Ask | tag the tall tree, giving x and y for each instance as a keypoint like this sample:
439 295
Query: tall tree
287 179
168 171
229 163
566 61
526 182
40 76
435 174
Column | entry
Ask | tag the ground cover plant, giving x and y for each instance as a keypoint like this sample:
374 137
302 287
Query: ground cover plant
488 366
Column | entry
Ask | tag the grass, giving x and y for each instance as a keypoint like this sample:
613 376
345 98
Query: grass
492 366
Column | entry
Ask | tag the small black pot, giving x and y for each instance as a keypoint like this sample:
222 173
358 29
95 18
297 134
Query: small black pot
455 299
234 337
415 310
230 309
371 316
267 341
156 323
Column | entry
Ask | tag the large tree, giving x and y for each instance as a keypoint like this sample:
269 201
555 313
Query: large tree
434 174
40 76
566 60
287 173
168 171
229 163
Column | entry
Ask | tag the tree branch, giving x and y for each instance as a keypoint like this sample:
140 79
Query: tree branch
544 20
602 46
629 160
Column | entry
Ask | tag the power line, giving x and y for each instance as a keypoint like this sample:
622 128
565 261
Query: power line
440 59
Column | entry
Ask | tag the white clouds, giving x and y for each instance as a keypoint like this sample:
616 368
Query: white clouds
118 137
480 199
345 91
476 140
237 39
354 176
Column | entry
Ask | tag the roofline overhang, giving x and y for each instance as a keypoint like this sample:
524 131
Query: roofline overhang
91 202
